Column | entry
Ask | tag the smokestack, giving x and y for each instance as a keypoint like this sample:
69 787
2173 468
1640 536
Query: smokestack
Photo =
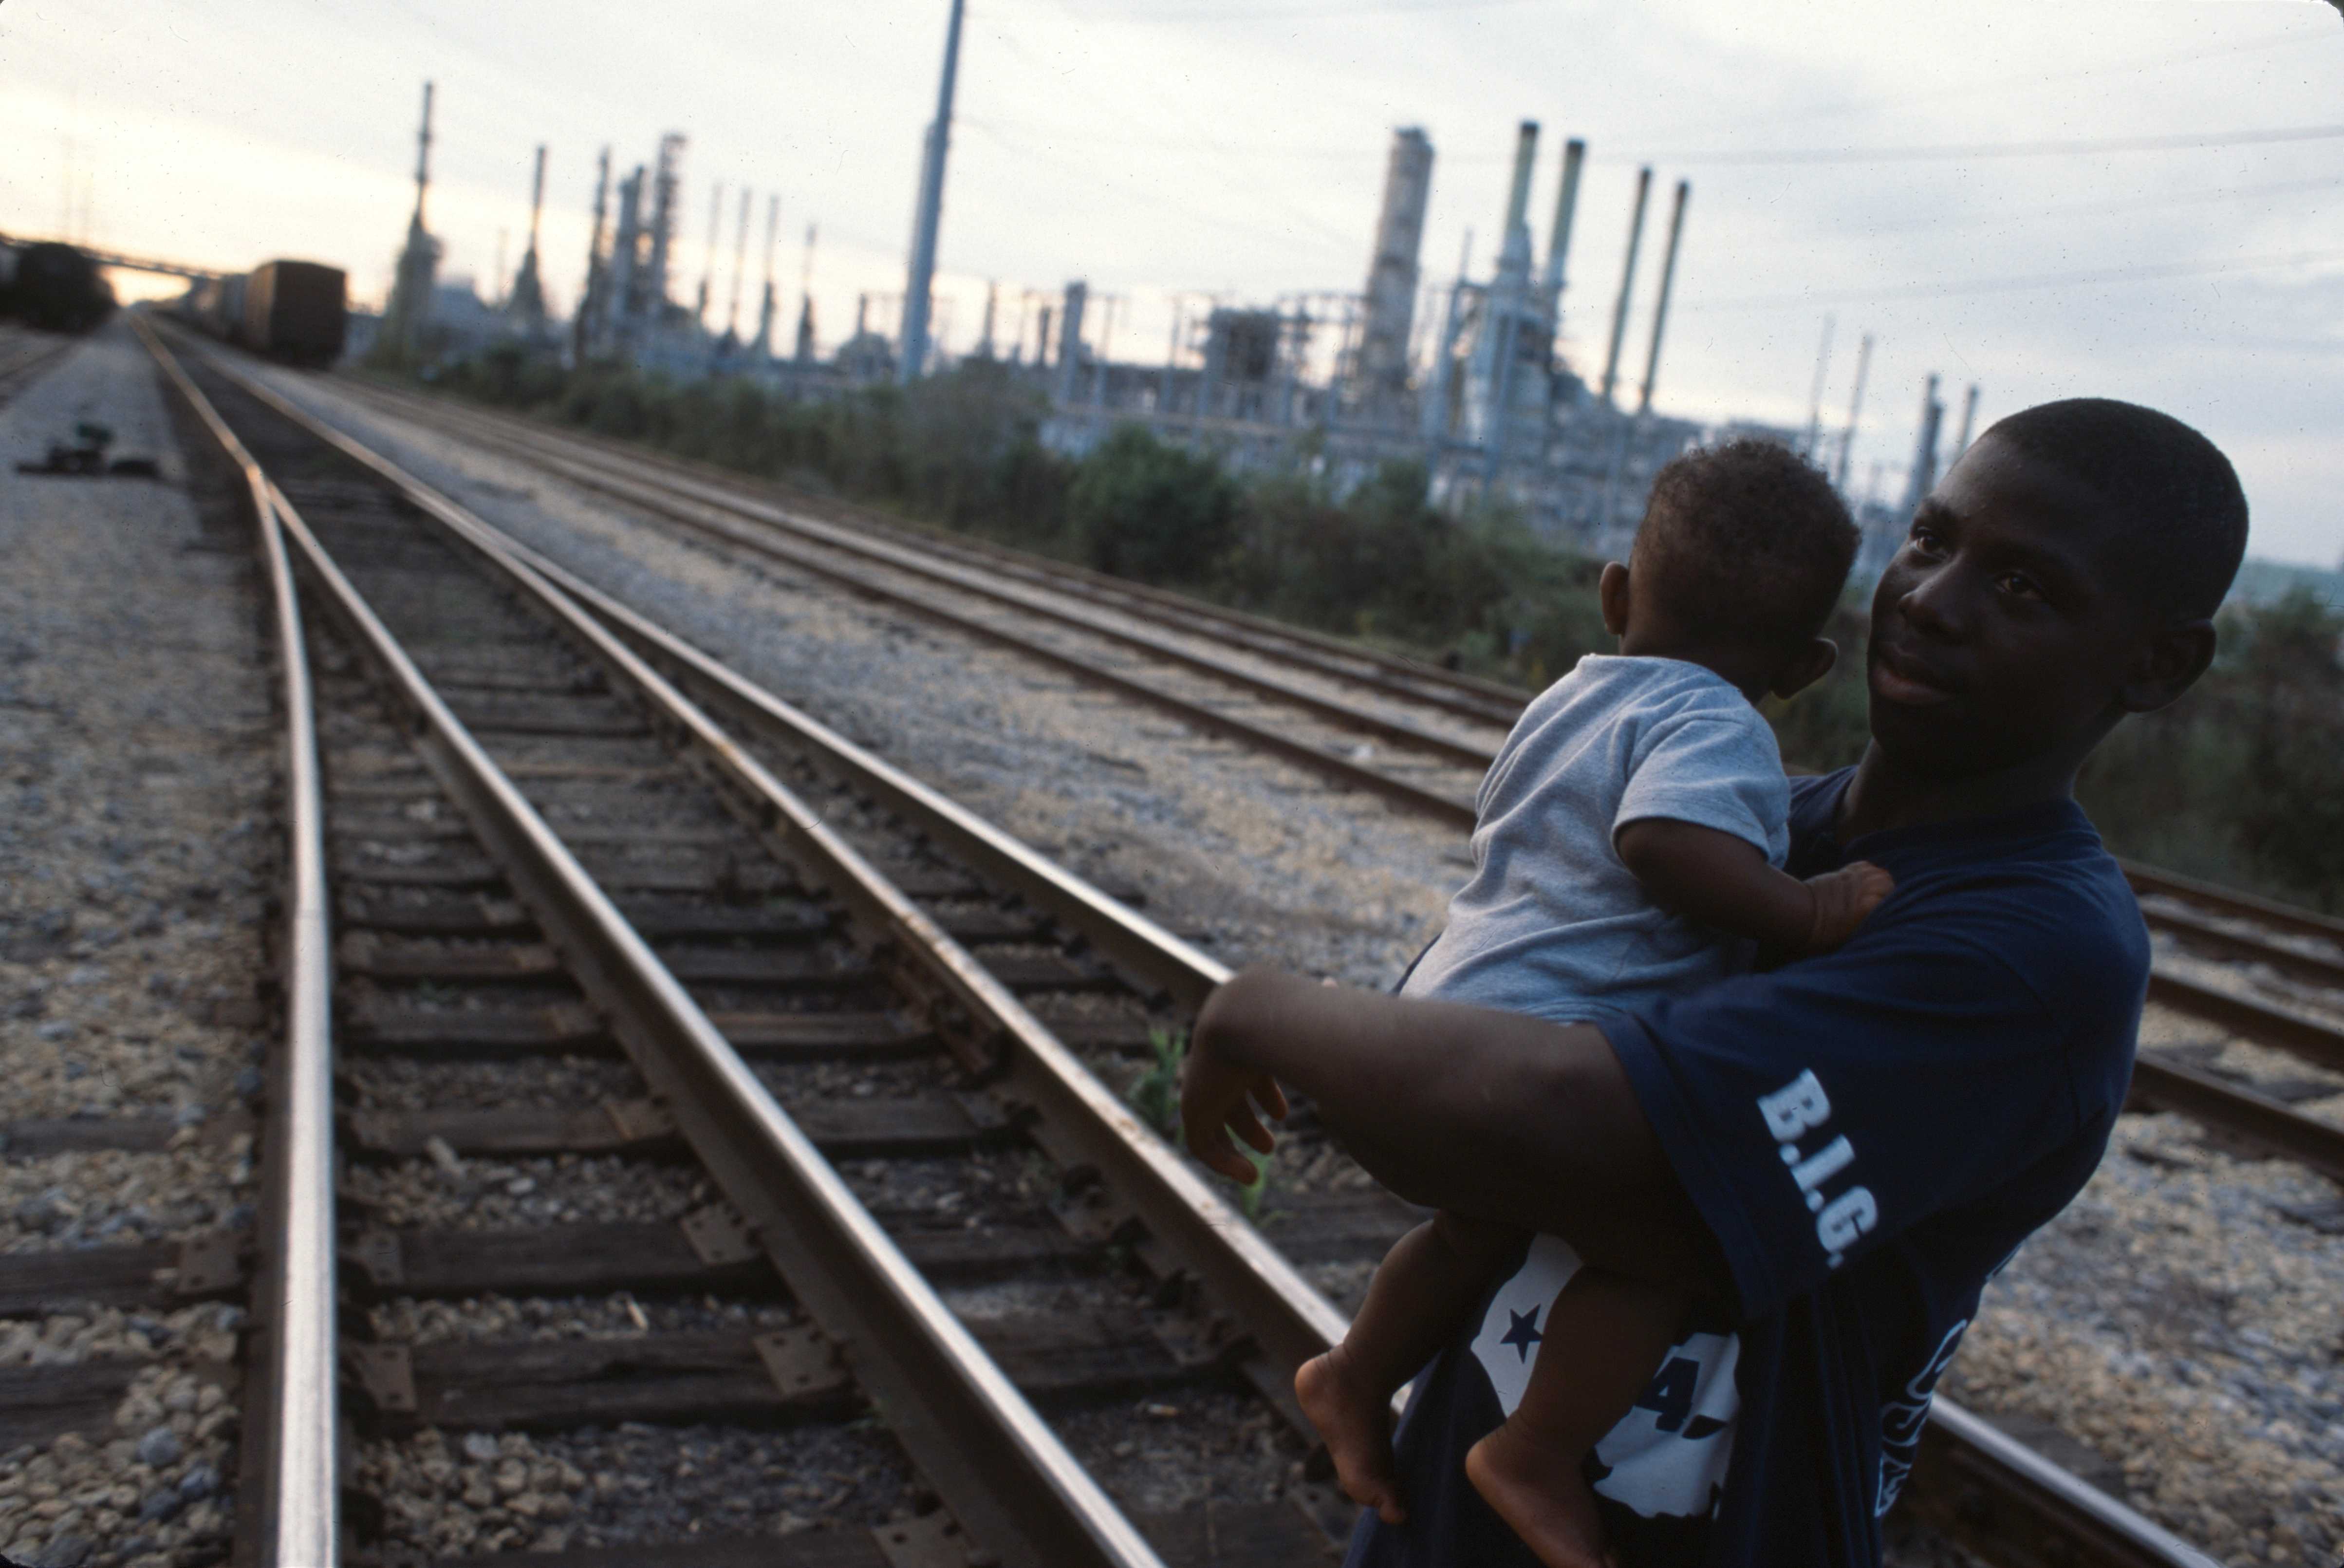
929 217
1392 272
423 156
985 340
1815 399
1668 281
1557 245
1855 409
805 302
1627 283
409 308
1924 476
707 252
1070 338
590 297
765 309
666 185
1969 413
739 264
1514 252
527 300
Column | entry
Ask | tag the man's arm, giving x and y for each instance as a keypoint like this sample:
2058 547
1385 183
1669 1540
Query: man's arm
1493 1114
1721 880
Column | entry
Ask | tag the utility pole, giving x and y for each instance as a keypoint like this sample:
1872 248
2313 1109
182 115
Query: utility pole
922 277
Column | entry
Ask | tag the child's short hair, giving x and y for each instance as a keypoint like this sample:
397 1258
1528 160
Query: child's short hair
1747 541
2184 510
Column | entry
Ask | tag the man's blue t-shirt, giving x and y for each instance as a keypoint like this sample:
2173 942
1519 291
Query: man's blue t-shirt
1869 1135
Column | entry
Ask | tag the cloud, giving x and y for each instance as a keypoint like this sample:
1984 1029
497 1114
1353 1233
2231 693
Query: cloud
1169 149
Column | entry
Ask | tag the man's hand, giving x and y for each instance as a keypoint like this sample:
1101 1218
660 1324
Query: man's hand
1216 1095
1843 899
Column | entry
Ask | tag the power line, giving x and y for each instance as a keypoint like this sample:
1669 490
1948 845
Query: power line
2060 210
1335 13
1955 152
1810 298
1947 151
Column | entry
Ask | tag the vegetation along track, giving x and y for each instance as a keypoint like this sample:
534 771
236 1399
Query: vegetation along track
2266 971
1093 1262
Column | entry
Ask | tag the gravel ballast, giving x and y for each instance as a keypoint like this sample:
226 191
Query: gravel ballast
2180 1321
137 754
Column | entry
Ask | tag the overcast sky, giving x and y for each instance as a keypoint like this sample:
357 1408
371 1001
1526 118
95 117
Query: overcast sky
1886 164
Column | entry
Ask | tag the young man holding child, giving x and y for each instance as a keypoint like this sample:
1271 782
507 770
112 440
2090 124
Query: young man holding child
1829 1158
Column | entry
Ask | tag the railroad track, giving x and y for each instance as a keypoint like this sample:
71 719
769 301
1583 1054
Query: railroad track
24 355
1280 690
537 835
536 844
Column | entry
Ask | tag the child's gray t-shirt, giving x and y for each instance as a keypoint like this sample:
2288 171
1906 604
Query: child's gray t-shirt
1552 923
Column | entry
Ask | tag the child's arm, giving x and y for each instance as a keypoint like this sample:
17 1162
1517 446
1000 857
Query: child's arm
1722 881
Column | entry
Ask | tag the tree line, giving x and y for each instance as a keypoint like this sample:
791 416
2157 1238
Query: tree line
2238 784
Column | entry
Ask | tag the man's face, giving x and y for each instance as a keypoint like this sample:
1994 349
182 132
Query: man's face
2005 625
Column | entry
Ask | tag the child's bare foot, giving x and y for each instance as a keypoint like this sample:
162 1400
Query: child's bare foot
1355 1422
1538 1491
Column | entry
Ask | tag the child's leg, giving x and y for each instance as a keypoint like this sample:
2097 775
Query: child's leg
1603 1341
1419 1294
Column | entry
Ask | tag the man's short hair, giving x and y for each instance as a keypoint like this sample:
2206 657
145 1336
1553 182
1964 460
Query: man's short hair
2184 512
1747 541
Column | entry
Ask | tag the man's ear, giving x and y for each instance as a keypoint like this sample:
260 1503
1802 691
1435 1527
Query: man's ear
1813 663
1611 594
2168 666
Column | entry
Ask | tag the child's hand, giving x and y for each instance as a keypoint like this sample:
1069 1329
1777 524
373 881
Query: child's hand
1842 898
1216 1096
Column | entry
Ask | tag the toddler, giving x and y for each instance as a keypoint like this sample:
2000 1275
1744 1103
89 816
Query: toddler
1628 846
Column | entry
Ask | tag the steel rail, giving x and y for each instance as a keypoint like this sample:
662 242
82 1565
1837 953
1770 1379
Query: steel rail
975 1439
2271 1124
1415 680
2291 918
610 478
1993 1487
1978 1475
1197 715
2202 933
2291 1029
292 1432
632 488
1079 1118
20 368
2016 1477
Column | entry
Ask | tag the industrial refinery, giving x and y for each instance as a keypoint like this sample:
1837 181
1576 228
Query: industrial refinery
1471 376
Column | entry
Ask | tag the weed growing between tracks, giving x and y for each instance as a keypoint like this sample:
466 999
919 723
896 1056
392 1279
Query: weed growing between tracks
1155 1096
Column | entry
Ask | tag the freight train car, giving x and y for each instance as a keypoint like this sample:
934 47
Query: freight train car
56 288
295 310
291 310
